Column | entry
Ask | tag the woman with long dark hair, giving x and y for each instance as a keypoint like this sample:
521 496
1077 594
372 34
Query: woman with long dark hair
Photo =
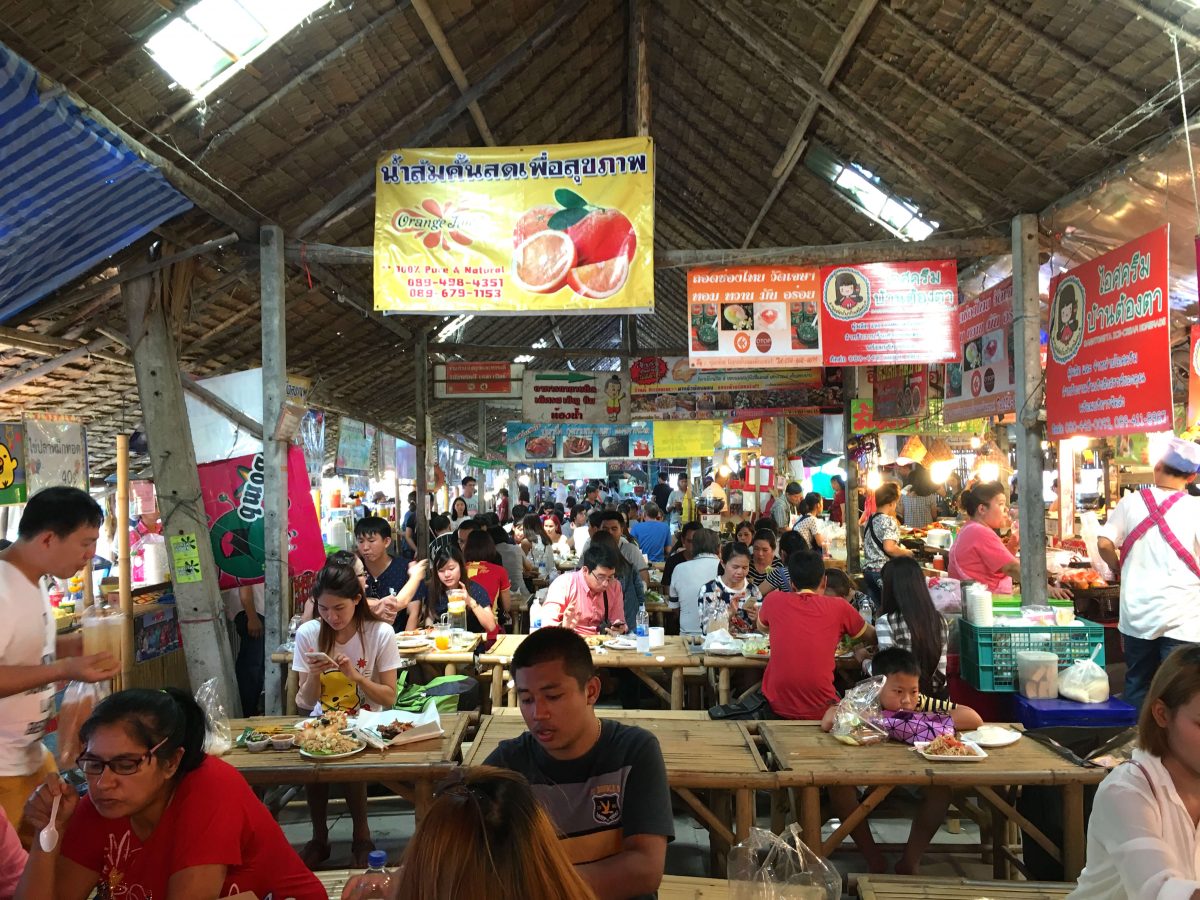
161 818
538 546
450 574
908 619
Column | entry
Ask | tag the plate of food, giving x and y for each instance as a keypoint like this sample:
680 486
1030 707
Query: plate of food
335 720
327 742
540 447
621 643
577 446
356 746
413 643
756 648
594 640
948 748
992 736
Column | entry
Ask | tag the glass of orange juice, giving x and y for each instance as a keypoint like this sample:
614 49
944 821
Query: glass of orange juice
441 639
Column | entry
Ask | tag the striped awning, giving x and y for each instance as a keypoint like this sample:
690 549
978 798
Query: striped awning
71 194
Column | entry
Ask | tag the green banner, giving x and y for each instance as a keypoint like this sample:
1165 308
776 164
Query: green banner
476 463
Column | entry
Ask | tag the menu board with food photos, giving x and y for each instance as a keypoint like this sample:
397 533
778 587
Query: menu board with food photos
532 442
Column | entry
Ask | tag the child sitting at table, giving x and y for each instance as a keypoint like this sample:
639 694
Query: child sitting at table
901 691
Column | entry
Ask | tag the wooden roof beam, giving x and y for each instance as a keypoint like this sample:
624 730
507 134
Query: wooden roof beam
350 197
446 52
1160 21
798 142
1006 91
638 32
732 14
305 75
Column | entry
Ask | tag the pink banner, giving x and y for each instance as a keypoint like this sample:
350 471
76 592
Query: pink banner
234 502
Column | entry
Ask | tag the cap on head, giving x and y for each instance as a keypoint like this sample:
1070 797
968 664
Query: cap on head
1182 456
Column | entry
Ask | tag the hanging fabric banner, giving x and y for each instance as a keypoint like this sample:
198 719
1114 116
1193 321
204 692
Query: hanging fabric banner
754 317
355 441
12 464
679 440
900 391
984 383
234 501
890 313
1193 409
1109 366
565 228
56 453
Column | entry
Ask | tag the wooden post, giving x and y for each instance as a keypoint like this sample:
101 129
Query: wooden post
124 566
849 392
421 410
277 606
481 440
1030 462
177 481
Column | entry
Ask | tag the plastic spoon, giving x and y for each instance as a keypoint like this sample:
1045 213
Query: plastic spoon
49 835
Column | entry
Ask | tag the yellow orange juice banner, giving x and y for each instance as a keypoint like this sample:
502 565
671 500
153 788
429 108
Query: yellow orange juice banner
566 228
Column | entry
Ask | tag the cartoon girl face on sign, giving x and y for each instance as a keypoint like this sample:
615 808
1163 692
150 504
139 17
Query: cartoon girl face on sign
1067 320
848 295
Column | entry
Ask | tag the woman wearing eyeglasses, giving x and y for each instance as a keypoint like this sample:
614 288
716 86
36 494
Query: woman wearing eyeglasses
162 819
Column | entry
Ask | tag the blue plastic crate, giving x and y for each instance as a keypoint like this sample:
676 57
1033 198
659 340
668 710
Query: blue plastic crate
1045 713
989 654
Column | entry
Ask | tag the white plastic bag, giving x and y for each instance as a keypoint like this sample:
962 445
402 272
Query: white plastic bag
219 739
1084 681
768 866
79 699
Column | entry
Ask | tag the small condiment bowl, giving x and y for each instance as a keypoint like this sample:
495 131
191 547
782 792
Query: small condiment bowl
258 746
283 741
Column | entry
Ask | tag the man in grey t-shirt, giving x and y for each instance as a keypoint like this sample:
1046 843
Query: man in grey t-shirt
787 506
603 783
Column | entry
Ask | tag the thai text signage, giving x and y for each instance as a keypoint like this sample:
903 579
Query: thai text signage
1109 365
531 442
889 313
592 397
984 383
670 388
477 380
754 317
490 230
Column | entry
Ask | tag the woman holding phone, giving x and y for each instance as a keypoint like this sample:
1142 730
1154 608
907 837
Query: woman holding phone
347 660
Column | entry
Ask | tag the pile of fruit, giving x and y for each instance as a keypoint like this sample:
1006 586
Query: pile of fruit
1081 579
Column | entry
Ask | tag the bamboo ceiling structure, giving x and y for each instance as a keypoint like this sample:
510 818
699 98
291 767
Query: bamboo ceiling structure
975 111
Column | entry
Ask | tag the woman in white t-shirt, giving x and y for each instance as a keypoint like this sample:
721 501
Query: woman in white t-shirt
1142 838
347 660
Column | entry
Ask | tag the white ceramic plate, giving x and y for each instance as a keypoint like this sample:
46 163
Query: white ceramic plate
326 756
413 643
920 746
1003 738
621 644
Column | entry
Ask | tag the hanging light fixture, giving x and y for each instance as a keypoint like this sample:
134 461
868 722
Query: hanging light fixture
989 462
913 450
874 480
940 460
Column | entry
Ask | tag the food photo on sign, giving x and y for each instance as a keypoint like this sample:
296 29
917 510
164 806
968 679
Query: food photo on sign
983 384
538 442
489 230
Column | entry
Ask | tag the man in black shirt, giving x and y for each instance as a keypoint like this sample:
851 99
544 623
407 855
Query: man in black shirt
603 783
662 490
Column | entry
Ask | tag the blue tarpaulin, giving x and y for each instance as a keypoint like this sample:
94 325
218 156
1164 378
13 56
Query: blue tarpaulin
71 193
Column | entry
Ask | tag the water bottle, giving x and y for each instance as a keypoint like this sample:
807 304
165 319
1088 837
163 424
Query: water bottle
376 882
543 571
535 615
643 630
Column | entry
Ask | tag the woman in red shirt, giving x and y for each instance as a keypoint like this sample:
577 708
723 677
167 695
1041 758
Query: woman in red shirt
162 819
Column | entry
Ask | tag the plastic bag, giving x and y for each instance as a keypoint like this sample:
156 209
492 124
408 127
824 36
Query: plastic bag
79 699
219 739
855 715
910 727
1084 681
946 594
767 866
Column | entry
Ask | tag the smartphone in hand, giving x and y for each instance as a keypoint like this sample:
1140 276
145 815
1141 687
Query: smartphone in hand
320 660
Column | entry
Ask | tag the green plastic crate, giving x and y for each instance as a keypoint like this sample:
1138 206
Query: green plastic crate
989 655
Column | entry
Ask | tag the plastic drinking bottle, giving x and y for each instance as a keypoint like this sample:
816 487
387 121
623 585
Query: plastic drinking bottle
643 630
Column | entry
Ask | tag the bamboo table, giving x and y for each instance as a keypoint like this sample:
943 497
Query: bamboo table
673 887
410 770
810 759
700 754
673 657
724 665
900 887
451 659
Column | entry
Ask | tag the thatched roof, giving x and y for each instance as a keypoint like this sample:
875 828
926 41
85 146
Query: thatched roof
973 110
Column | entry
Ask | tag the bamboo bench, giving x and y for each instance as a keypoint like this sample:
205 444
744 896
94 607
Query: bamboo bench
674 887
898 887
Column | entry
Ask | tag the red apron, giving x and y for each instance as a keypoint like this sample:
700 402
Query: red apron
1157 518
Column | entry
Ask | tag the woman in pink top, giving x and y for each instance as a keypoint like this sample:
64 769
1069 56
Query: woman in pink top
590 598
978 553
